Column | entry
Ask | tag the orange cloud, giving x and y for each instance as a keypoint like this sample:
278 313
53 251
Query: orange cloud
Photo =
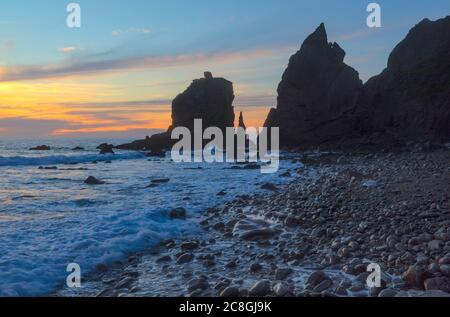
68 49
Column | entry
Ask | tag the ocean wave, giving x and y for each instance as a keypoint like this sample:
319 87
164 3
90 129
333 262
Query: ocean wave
66 159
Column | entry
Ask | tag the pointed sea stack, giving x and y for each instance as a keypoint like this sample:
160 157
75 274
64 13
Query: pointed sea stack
241 121
321 100
317 94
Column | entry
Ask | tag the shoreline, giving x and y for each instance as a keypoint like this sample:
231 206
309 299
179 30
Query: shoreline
314 236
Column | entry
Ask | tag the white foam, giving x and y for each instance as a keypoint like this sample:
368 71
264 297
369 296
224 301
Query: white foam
65 159
49 229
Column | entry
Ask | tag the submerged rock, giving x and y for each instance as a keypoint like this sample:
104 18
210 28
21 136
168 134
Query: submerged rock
269 186
282 289
178 213
41 148
48 167
283 273
91 180
161 181
200 283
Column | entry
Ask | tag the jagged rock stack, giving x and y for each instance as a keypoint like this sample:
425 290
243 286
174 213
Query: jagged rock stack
321 101
317 94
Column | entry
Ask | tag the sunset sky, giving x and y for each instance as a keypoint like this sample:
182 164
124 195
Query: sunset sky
117 74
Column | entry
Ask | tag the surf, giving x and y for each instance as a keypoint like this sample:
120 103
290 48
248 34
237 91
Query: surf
65 159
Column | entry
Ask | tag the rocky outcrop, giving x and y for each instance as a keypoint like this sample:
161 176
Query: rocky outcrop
91 180
41 148
156 143
106 148
272 119
241 123
322 101
410 99
208 98
317 95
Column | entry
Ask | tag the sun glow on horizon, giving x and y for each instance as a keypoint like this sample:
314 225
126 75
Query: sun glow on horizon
88 108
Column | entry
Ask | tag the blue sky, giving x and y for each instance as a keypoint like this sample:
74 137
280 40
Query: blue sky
147 51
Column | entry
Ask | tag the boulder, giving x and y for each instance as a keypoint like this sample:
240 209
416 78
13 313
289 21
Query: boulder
254 230
161 181
388 292
200 283
185 258
231 291
415 276
316 278
437 283
260 288
282 273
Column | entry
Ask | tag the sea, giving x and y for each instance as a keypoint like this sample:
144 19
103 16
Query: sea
50 218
